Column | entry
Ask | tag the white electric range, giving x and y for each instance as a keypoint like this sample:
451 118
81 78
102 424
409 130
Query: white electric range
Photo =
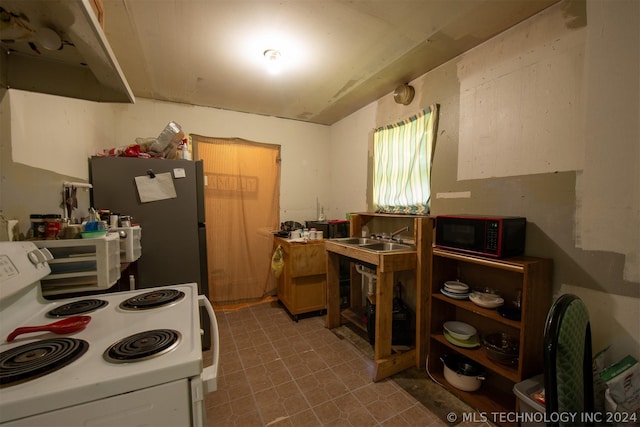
137 362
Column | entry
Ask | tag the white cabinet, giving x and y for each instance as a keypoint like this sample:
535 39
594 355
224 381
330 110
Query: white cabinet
80 265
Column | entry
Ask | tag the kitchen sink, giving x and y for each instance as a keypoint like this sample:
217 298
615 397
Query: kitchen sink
356 241
387 246
375 245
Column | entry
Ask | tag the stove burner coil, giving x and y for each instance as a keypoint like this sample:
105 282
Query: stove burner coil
142 346
77 307
153 299
33 360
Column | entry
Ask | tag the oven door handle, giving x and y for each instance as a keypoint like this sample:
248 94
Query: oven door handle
210 373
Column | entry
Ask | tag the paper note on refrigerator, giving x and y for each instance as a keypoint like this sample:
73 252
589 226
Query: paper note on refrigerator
158 188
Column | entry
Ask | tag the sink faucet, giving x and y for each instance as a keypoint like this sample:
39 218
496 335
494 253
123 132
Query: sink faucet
395 233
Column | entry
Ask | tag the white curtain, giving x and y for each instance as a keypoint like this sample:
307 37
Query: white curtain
402 159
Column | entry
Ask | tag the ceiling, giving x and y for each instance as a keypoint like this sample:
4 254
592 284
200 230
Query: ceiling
340 54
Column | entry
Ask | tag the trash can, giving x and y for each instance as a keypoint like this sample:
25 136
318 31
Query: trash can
531 411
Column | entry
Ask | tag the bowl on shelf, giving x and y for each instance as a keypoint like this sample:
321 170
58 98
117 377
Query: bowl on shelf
459 330
486 291
501 348
484 300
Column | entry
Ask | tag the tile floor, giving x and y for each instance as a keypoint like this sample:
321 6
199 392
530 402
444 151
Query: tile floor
276 372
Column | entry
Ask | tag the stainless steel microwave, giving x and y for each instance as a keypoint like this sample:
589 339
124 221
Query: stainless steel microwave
491 236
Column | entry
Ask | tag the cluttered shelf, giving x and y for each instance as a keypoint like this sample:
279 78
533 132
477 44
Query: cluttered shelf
484 312
478 354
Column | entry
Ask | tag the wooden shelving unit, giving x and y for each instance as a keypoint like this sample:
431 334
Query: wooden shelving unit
387 360
526 277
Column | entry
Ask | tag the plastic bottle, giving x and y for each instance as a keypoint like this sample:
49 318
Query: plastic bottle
185 153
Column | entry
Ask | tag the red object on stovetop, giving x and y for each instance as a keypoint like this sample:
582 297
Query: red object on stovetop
64 326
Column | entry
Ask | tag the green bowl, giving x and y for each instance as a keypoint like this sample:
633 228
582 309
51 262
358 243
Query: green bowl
93 234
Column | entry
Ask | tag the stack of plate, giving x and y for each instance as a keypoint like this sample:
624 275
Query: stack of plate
456 290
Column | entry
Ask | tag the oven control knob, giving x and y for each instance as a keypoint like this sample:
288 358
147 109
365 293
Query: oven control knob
39 256
33 257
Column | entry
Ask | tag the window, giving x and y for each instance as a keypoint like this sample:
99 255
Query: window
402 159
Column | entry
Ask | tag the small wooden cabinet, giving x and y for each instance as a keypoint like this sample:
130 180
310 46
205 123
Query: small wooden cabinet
302 286
526 278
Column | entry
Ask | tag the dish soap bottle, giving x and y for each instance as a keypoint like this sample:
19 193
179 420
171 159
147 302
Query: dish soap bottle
321 217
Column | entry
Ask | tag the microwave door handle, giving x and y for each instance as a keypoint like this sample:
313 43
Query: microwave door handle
210 373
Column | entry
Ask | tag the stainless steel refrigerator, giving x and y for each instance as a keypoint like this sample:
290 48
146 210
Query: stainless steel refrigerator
174 241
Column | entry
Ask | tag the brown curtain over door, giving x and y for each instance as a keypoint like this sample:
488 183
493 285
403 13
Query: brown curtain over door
242 208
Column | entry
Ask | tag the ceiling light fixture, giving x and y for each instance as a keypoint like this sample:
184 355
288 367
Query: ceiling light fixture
272 54
274 60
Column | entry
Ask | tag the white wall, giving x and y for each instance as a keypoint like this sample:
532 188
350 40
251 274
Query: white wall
521 106
57 135
610 183
351 140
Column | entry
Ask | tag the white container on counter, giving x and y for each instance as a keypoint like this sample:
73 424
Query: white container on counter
131 244
80 265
